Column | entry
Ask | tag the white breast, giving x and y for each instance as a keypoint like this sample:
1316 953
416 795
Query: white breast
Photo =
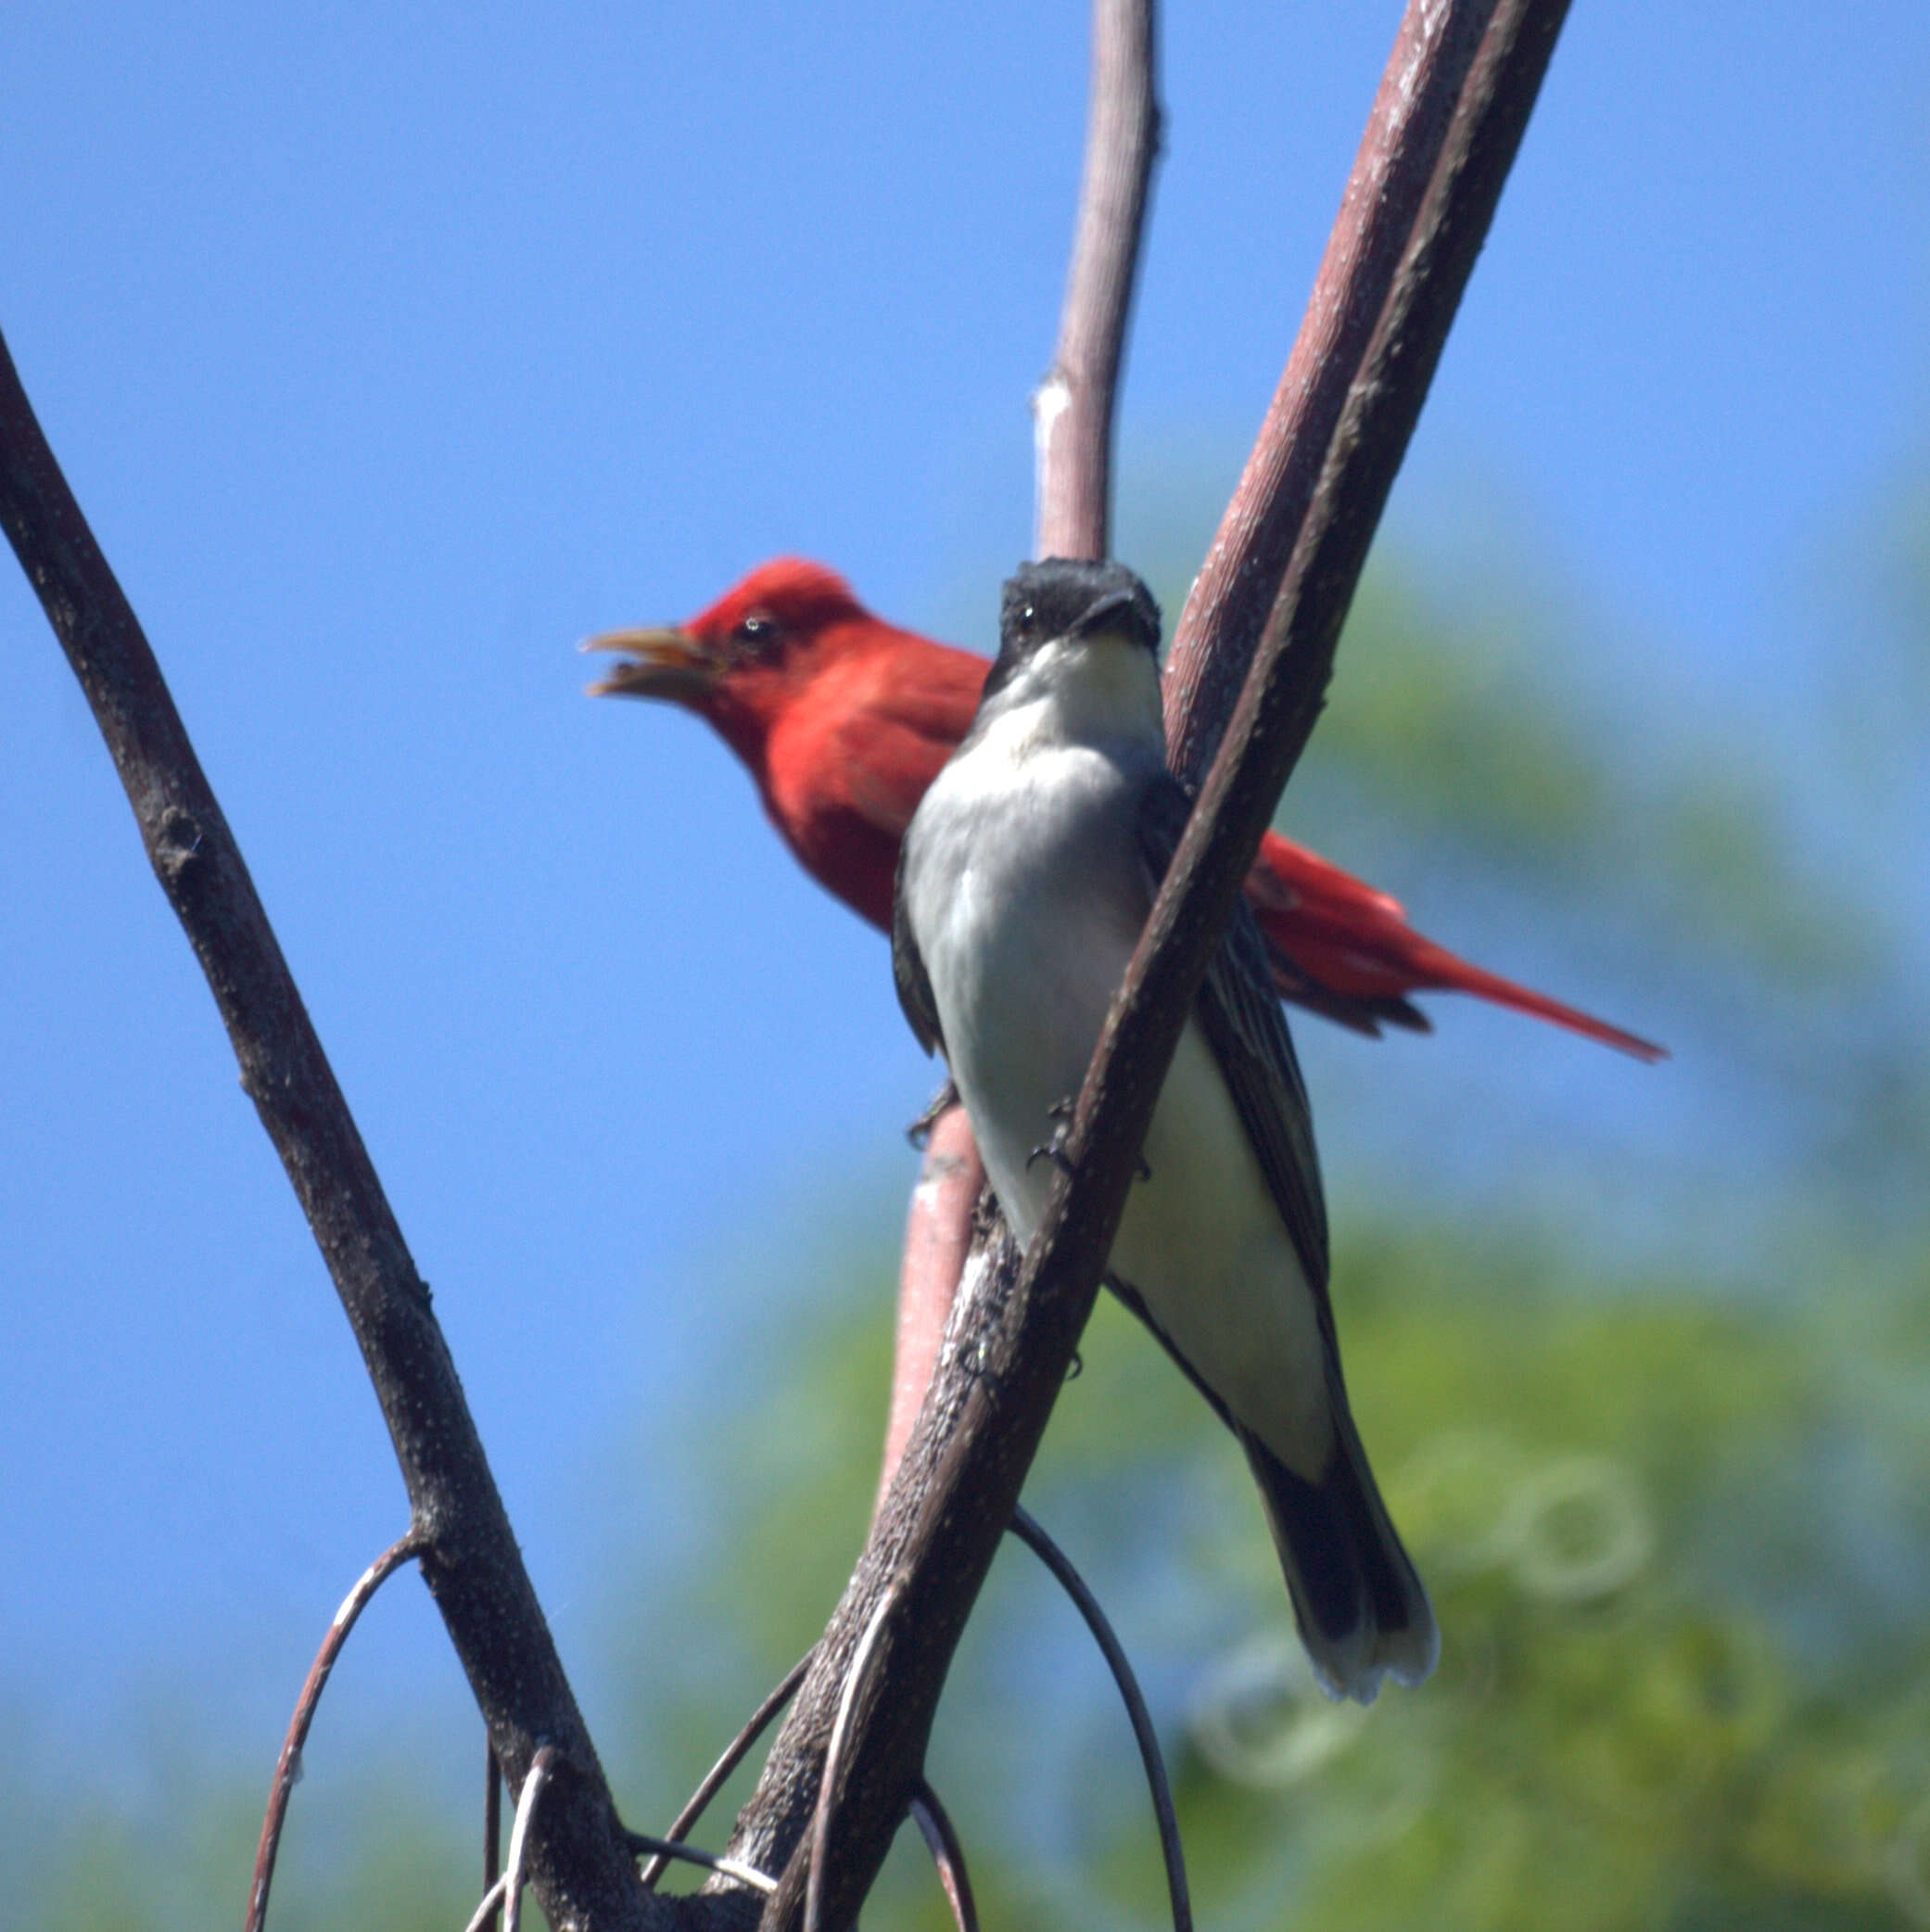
1026 894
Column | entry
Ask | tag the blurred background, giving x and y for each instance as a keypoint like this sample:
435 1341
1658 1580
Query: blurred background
390 355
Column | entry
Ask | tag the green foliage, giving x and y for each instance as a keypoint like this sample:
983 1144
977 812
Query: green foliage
1623 1506
1452 724
1675 1688
368 1849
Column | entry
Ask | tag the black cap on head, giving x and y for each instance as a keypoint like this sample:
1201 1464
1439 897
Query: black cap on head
1062 598
1059 597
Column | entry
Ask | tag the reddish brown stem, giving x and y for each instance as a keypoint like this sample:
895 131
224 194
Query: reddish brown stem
1072 409
1073 419
947 1854
1212 643
492 1821
1028 1530
734 1755
937 1235
288 1767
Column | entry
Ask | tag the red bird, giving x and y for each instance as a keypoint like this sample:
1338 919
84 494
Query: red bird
844 721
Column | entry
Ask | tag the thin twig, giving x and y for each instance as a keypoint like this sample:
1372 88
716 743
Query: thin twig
662 1850
1025 1527
1007 1349
471 1562
1072 409
947 1854
492 1815
856 1678
289 1766
486 1913
526 1802
734 1752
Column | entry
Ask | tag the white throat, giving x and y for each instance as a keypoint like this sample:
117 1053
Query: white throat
1101 690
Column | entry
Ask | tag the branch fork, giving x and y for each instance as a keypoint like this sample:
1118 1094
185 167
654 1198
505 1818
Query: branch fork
1273 592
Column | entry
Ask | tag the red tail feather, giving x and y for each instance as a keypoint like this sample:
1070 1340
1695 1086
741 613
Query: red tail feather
1356 946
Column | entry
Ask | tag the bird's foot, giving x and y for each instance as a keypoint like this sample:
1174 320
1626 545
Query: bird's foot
1061 1114
1054 1149
920 1131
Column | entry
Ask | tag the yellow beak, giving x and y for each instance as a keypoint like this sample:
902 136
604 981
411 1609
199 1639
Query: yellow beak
665 663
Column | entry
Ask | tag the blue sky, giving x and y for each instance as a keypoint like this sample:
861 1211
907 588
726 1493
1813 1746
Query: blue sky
392 352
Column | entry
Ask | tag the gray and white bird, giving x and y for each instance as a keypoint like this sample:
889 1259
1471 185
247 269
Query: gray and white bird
1025 879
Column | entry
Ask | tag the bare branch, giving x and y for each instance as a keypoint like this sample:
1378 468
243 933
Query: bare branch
1244 567
686 1820
492 1817
937 1233
1007 1348
1072 409
1026 1527
857 1679
579 1863
540 1766
288 1767
661 1850
486 1913
942 1841
1011 1341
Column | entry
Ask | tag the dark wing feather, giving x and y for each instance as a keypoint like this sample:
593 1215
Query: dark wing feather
1244 1025
907 967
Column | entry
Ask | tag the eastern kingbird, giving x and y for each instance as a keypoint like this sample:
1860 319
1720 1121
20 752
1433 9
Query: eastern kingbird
1026 878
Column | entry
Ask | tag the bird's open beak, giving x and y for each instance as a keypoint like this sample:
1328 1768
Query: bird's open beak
666 663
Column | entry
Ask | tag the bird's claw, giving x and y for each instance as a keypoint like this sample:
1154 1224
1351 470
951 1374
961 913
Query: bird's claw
1054 1151
1061 1114
920 1131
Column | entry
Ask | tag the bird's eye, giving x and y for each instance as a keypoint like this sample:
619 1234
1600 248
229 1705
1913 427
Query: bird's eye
1028 618
758 633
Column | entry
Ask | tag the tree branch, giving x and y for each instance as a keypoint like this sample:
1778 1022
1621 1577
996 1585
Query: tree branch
579 1861
1427 74
937 1233
1011 1341
1072 409
289 1766
1073 413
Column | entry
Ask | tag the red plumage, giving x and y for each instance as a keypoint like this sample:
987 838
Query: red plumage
843 719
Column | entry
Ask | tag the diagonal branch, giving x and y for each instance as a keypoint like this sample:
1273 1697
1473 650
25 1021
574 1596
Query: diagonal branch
578 1860
1011 1340
1434 52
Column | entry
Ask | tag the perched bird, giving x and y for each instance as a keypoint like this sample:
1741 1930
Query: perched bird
844 719
1027 873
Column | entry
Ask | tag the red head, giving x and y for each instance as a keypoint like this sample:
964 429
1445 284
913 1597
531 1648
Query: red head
756 650
844 721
